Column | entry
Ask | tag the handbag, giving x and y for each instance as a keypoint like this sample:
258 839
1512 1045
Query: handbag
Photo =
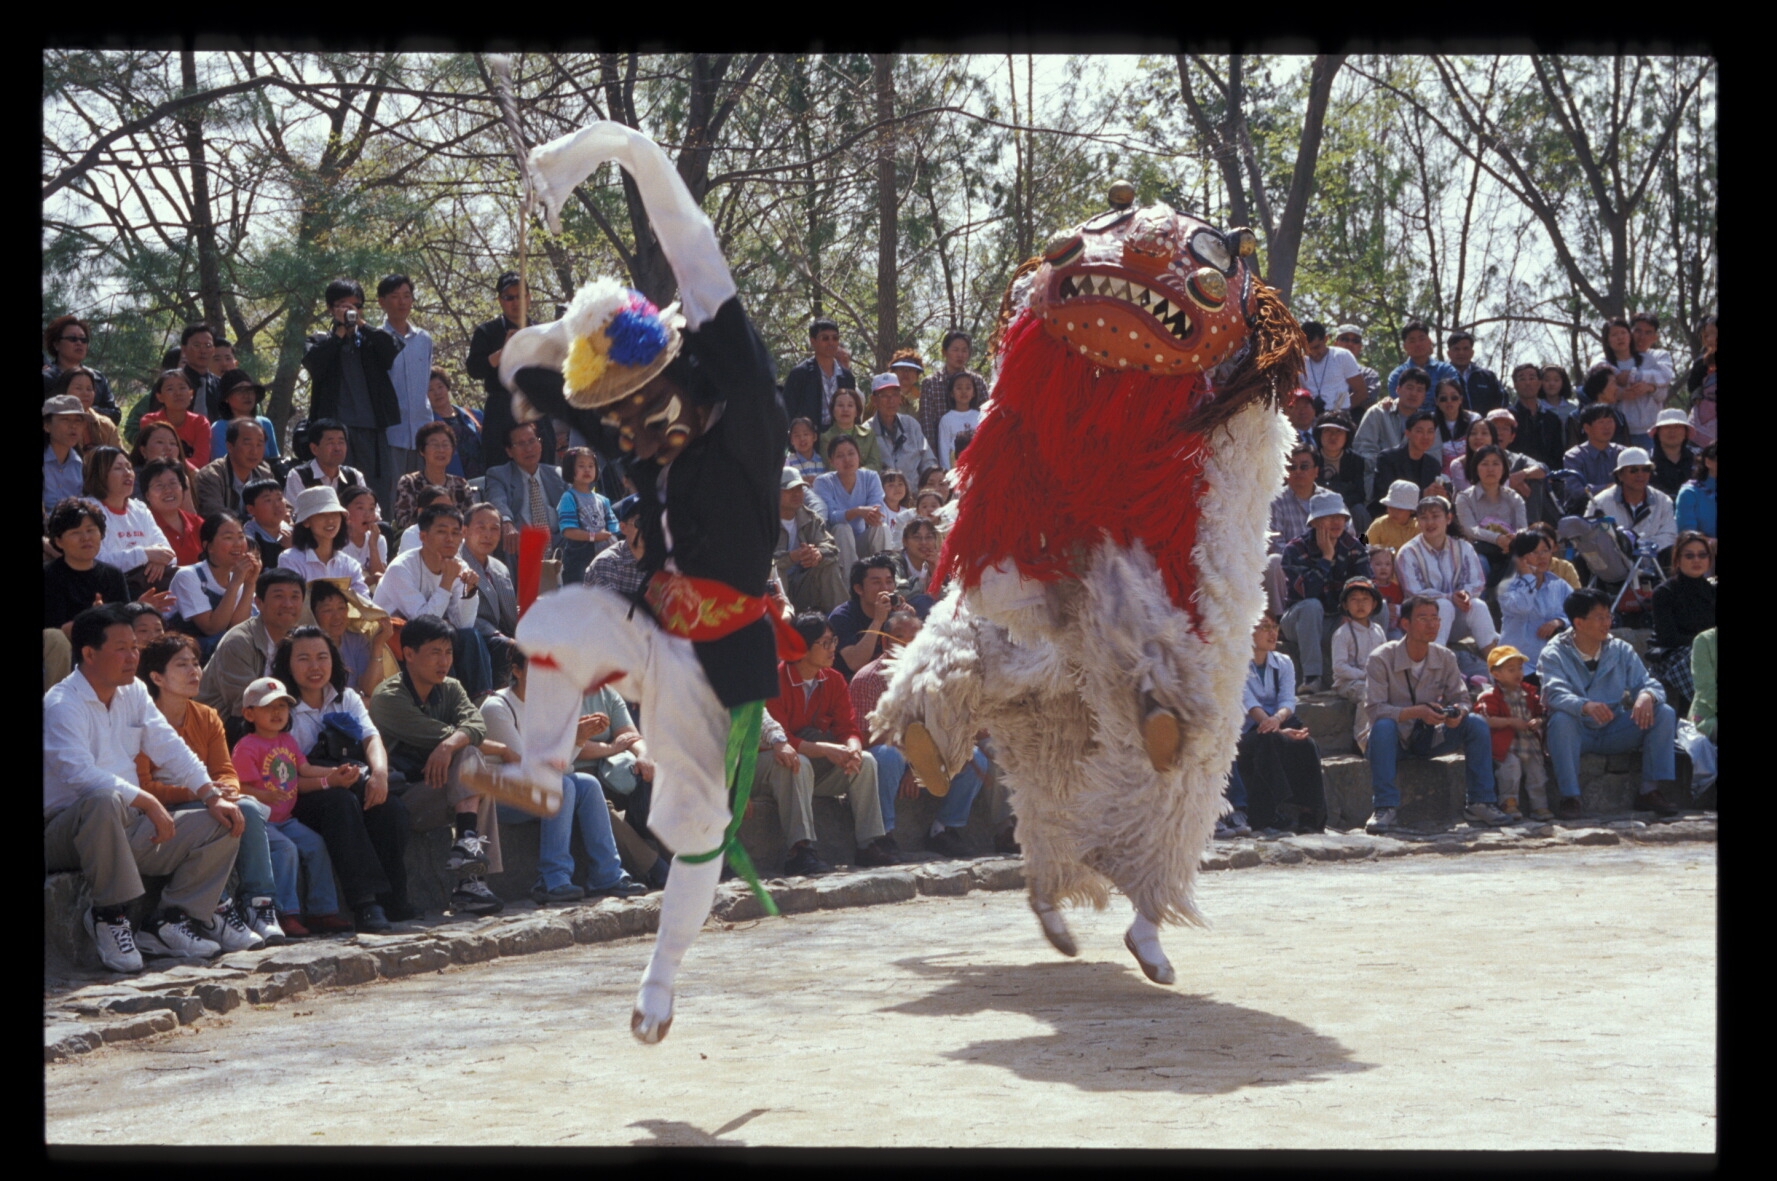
340 743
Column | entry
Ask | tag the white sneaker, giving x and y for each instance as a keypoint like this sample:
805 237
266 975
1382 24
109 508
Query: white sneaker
1381 821
178 938
472 896
262 920
468 855
116 941
1485 814
227 931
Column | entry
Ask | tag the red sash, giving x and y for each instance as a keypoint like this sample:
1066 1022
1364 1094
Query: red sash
703 609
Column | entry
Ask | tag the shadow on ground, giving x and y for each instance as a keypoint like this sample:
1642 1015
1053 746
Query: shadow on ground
680 1134
1113 1031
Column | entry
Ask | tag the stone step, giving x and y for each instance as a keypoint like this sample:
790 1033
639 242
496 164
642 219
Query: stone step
1328 717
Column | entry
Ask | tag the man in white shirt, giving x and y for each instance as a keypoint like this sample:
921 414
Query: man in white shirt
98 820
1633 505
327 443
411 373
1329 372
434 580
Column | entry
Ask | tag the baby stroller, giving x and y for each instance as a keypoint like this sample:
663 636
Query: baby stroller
1615 557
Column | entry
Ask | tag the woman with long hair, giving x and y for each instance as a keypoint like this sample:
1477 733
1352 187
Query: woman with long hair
217 593
1481 433
134 543
1453 419
1635 395
1683 609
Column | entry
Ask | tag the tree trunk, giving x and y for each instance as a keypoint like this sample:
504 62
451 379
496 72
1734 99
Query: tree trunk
1285 245
203 217
888 292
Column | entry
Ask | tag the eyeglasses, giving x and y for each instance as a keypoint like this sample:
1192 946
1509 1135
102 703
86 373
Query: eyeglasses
1301 467
74 339
827 642
1646 470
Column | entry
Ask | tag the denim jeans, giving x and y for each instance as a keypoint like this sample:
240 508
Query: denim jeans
470 662
965 785
582 804
253 863
1571 737
1236 788
1473 736
304 844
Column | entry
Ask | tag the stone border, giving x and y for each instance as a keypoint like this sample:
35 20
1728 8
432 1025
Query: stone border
127 1008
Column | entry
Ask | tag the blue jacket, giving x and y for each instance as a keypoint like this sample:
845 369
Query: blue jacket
1523 610
1567 685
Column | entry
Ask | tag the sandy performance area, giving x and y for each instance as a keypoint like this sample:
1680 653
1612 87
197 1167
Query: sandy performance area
1555 999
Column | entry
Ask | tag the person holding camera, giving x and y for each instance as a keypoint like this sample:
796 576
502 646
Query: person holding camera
349 369
858 622
1419 707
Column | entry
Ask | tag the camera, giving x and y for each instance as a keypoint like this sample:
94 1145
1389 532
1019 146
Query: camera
1452 711
351 317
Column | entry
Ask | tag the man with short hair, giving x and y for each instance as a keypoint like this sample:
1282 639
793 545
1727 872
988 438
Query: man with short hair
1479 386
1416 459
64 421
434 580
1417 340
222 358
98 820
900 439
1419 706
245 652
858 621
487 347
807 557
1301 409
892 778
809 387
1329 372
1542 433
1587 676
1350 337
411 373
814 708
268 519
1289 516
1596 457
218 484
958 347
197 346
349 374
431 729
327 444
525 489
1384 425
1316 563
496 598
1632 504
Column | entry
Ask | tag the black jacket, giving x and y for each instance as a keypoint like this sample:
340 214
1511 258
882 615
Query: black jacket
802 395
1395 464
723 492
1482 388
322 359
1542 434
497 421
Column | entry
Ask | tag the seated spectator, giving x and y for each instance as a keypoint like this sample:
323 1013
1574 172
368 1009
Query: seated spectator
525 490
315 543
1532 599
1441 566
814 709
617 756
1559 566
1480 434
1289 517
434 580
245 652
852 496
893 778
1340 469
429 497
1600 388
848 419
160 441
364 540
1596 457
99 822
361 654
620 567
1279 764
432 729
76 580
146 622
240 400
897 503
1674 456
96 429
1398 523
807 556
1703 693
1454 420
465 425
436 445
1488 511
1633 505
267 520
1419 706
1383 425
1316 565
1514 713
963 395
267 861
587 525
219 484
914 563
900 439
216 592
1417 460
496 602
133 542
1639 382
1684 608
1541 429
805 450
64 429
926 503
166 490
858 621
1587 674
68 340
1524 475
1558 395
1331 373
1301 408
583 807
173 394
1389 588
1353 640
327 446
1695 509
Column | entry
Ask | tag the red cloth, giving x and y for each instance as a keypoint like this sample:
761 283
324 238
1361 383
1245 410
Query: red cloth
194 433
827 708
189 545
1492 703
867 689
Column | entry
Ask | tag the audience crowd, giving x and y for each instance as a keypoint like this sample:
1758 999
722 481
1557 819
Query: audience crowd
267 663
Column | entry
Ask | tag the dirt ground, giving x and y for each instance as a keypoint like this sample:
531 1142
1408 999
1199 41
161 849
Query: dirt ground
1557 999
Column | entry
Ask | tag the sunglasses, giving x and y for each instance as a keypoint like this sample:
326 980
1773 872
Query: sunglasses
1647 470
74 339
1301 467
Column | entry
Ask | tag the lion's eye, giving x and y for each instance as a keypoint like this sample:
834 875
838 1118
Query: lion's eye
1210 247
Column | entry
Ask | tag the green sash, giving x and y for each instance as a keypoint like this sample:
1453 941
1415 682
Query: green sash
738 766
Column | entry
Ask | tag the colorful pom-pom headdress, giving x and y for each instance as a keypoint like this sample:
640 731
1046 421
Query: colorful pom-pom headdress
618 341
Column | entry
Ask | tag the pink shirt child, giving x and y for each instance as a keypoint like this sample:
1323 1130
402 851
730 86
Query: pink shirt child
267 767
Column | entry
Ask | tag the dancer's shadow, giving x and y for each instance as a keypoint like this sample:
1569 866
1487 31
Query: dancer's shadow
680 1134
1113 1031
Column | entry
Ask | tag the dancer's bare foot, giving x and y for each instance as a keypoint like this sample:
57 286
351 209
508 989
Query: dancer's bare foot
652 1017
1143 941
1161 734
922 754
1055 928
509 785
